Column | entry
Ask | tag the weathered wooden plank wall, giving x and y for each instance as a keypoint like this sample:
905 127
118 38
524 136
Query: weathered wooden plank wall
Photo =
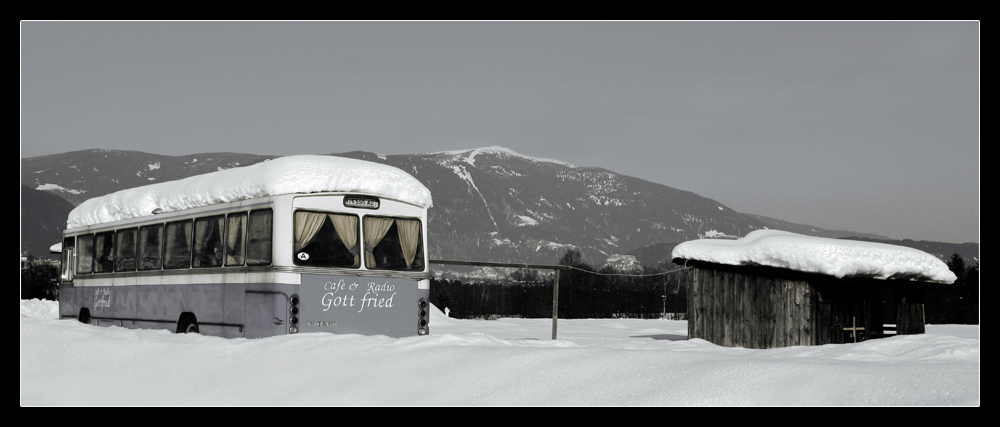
740 310
909 313
736 308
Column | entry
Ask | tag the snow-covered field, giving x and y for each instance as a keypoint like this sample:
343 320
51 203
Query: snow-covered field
483 363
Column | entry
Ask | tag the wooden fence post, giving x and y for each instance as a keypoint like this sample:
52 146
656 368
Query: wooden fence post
555 304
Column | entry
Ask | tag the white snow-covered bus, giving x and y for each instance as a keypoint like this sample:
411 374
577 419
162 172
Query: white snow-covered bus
291 245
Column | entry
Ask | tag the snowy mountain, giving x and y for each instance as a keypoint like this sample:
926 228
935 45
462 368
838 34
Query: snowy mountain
490 204
43 219
80 175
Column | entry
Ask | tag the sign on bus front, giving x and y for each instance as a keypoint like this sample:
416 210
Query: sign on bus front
357 304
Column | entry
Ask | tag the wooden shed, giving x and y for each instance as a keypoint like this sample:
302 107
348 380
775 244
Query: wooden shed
762 298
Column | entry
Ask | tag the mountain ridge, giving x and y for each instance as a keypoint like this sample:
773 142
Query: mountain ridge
490 203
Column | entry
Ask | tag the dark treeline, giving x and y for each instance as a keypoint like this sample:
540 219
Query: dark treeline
582 294
959 304
39 279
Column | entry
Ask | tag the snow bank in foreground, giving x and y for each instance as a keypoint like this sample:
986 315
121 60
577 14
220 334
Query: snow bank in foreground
285 175
834 257
506 362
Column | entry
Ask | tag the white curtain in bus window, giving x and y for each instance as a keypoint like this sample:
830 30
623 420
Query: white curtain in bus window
104 258
328 240
178 247
259 238
346 227
307 225
375 230
150 251
235 229
409 239
125 250
208 241
85 257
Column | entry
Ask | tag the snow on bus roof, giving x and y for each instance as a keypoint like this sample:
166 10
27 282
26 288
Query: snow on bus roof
834 257
284 175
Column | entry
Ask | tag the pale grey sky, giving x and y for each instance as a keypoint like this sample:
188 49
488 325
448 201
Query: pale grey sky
865 126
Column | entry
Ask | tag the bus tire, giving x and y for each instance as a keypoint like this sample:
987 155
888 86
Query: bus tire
188 324
84 316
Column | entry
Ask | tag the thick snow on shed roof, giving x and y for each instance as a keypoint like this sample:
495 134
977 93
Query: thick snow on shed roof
834 257
284 175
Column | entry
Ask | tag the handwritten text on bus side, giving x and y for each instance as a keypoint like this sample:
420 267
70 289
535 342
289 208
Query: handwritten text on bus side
102 299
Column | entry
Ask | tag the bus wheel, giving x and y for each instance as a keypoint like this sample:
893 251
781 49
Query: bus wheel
188 324
84 316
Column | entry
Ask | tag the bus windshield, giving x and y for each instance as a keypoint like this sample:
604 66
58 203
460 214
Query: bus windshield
326 239
393 244
334 240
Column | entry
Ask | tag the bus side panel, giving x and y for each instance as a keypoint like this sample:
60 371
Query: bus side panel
70 302
266 314
361 305
106 305
217 308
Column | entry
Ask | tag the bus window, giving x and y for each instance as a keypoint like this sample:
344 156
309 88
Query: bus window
150 251
125 250
104 258
208 241
68 251
235 231
393 244
85 257
259 238
177 252
326 239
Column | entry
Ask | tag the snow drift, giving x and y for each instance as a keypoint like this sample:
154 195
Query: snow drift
506 362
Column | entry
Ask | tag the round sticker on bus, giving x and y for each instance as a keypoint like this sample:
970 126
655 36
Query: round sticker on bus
303 256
